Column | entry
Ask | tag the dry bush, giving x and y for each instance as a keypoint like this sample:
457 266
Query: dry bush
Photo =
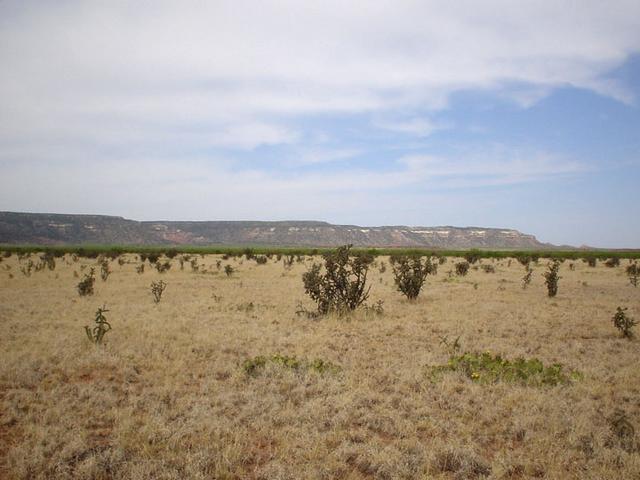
551 278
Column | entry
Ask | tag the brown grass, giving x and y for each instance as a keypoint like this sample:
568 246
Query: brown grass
166 396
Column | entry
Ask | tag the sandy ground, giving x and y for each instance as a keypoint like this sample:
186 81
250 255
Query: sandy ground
166 396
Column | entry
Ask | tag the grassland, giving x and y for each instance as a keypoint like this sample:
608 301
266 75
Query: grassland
169 395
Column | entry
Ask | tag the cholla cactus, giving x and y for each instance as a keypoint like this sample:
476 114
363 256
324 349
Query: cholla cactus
157 288
96 334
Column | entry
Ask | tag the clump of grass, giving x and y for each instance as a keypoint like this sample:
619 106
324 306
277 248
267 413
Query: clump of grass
85 286
96 334
623 322
26 269
623 432
462 268
410 274
551 278
487 368
488 268
157 289
253 366
343 285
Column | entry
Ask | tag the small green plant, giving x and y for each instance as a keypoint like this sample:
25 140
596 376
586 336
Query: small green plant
526 278
488 368
97 333
410 274
105 271
157 289
462 268
551 278
85 286
342 287
633 272
623 322
228 270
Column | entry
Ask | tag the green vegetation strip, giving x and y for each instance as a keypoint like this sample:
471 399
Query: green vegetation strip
488 368
115 250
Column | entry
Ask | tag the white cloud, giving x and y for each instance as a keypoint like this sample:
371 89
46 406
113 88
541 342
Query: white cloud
215 64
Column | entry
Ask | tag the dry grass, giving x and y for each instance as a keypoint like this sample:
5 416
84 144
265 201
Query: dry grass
166 396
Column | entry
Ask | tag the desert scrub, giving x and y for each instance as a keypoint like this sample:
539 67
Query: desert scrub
410 274
462 268
488 268
254 366
342 287
85 286
157 289
228 270
633 272
623 322
488 368
472 256
551 278
612 262
261 260
97 333
591 261
526 278
105 271
163 267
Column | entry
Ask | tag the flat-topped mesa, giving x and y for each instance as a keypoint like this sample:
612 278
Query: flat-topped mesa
60 229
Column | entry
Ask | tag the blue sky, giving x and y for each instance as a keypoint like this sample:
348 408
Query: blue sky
496 114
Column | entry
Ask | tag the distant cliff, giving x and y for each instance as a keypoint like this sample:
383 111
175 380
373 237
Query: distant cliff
56 229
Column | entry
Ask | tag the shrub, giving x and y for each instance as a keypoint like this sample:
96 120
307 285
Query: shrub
488 368
633 272
85 287
153 257
48 259
163 267
551 278
287 261
261 259
140 268
157 289
624 323
591 261
171 253
104 270
526 279
612 262
228 270
96 334
488 268
194 265
342 287
462 268
26 269
472 256
410 274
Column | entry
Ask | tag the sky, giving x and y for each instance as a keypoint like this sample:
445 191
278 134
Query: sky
504 114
